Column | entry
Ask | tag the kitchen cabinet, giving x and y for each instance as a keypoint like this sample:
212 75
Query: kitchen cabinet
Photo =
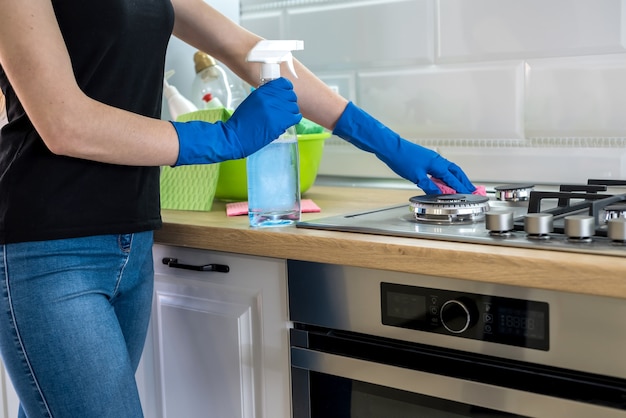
9 403
218 344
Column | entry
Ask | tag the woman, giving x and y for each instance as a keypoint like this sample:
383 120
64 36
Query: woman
79 177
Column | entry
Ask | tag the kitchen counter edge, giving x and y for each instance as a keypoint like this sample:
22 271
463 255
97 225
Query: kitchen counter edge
544 269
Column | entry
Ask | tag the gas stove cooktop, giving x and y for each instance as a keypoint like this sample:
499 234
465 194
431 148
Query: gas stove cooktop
576 218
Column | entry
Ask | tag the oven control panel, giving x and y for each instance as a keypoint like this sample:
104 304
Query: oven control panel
516 322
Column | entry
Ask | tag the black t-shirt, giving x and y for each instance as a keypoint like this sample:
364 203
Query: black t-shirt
117 48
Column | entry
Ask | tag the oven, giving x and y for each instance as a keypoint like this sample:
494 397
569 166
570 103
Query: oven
370 343
376 343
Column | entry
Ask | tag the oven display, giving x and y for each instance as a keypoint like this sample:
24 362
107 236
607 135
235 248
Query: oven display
406 306
529 324
517 322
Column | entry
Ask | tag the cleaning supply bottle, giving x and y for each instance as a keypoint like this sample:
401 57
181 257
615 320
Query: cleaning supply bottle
273 171
210 79
176 102
239 89
211 102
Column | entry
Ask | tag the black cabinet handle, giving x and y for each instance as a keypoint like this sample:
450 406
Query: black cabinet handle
173 263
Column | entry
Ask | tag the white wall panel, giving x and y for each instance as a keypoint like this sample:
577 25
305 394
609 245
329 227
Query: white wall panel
496 29
367 33
544 165
448 101
580 96
265 24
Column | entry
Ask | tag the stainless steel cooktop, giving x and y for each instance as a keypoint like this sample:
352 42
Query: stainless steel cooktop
571 210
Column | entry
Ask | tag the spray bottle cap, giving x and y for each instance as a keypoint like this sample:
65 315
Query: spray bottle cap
168 89
270 53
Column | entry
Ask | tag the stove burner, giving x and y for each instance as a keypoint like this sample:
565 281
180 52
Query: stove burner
449 208
615 211
513 192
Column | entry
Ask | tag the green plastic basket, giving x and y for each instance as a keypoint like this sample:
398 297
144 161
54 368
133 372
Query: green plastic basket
232 183
192 187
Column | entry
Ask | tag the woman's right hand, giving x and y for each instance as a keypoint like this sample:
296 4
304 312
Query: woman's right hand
265 114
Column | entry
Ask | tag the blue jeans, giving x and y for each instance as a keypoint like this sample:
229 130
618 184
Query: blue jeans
74 315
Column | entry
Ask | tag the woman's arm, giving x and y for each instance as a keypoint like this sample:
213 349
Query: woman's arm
36 61
206 29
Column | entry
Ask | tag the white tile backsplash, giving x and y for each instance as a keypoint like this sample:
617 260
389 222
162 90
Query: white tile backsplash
487 29
468 101
512 90
576 96
339 35
266 24
541 165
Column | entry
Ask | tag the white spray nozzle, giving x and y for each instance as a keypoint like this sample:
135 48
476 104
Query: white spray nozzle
166 77
270 53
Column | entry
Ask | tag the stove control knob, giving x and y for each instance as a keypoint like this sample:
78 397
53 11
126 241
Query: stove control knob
457 315
538 225
617 230
499 222
580 227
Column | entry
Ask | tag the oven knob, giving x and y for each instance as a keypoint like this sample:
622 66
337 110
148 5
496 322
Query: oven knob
457 315
580 227
617 230
538 225
499 223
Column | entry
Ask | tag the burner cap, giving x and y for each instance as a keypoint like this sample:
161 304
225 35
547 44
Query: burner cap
449 208
448 199
514 192
615 211
617 207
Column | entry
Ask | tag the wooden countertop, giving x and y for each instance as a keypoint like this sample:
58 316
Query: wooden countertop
570 272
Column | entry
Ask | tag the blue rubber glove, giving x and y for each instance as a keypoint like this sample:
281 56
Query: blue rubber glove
262 117
408 160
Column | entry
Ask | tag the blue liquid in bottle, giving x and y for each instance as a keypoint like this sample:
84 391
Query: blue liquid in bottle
274 183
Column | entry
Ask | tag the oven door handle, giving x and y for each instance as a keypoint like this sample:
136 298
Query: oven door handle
464 391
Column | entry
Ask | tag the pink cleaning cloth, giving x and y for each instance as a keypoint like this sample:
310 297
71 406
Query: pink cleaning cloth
241 208
445 189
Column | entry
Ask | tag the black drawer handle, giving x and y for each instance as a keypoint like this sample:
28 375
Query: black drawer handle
173 263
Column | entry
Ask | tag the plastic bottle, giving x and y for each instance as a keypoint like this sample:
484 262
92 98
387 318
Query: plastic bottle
210 78
211 102
176 102
273 171
239 89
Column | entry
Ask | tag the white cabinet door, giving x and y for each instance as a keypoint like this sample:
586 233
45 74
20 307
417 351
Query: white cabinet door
220 340
9 402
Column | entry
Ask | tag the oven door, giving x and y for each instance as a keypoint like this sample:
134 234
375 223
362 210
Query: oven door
343 375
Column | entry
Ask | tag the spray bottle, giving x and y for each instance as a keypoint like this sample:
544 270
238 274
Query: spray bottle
273 172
